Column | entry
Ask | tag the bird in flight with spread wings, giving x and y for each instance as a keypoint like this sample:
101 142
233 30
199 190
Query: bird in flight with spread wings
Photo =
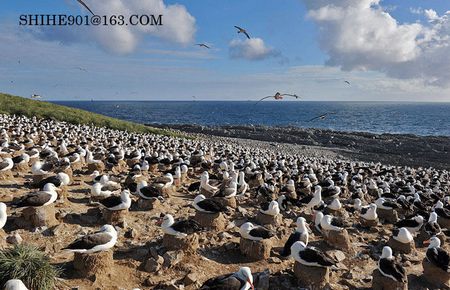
278 96
323 116
242 30
85 6
203 45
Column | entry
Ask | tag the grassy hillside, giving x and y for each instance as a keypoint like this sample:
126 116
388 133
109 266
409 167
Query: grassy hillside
20 106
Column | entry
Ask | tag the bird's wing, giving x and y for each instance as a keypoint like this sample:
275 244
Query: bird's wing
246 34
393 268
315 118
312 255
291 95
261 232
85 6
90 241
186 226
263 99
229 281
238 27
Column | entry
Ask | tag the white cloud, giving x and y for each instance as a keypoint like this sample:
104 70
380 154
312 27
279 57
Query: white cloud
178 25
251 49
362 35
431 14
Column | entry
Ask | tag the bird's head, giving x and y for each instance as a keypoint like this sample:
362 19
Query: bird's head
199 198
434 242
386 253
166 221
246 273
108 229
297 247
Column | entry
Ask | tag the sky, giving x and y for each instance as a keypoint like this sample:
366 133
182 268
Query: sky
391 50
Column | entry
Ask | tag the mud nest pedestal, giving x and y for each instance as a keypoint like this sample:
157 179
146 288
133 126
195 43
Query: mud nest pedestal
404 248
389 215
338 239
147 204
174 243
114 217
230 202
63 194
368 223
214 221
40 216
168 191
256 250
99 166
22 167
313 278
76 166
87 265
444 222
6 175
435 275
153 168
380 282
265 219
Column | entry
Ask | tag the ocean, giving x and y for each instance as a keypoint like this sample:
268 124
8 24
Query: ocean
425 119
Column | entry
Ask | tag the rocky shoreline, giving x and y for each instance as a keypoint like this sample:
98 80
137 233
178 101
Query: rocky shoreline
395 149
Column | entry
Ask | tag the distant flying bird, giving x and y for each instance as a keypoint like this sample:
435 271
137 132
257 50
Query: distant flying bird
80 68
347 82
35 96
323 116
203 45
242 30
278 96
85 6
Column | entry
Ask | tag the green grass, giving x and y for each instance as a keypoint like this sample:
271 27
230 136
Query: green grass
28 264
21 106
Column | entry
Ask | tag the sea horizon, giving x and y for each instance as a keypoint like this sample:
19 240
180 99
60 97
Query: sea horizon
379 117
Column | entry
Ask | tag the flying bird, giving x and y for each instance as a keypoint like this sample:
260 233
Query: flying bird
242 30
82 69
278 96
85 6
203 45
323 116
347 82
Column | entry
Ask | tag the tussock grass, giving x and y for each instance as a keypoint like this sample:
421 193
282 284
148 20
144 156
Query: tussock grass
28 264
11 105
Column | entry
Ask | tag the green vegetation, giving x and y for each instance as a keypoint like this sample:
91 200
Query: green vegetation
28 264
20 106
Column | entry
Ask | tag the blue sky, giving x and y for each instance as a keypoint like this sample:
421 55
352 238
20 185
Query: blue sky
388 50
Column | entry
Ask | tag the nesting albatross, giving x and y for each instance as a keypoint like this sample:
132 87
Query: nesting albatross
103 240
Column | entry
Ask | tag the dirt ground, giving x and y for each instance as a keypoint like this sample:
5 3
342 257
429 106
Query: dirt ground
218 252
